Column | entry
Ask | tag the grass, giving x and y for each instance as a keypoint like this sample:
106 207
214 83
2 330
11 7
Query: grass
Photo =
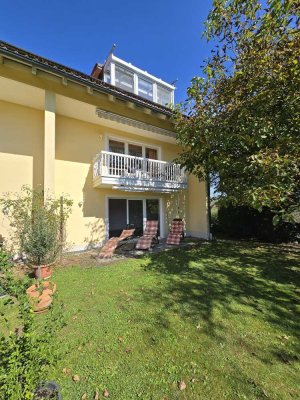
223 317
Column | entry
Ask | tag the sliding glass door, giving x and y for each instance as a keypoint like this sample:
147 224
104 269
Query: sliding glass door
135 215
123 213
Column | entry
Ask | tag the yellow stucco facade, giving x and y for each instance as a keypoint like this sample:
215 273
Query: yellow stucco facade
49 135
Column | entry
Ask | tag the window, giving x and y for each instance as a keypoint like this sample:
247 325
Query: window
116 147
124 79
151 153
107 76
145 89
135 150
132 149
163 96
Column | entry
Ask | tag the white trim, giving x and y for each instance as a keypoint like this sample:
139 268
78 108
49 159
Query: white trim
160 206
141 72
113 74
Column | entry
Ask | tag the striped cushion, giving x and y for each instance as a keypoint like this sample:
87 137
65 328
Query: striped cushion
144 243
173 238
108 249
177 227
110 246
151 228
126 233
176 232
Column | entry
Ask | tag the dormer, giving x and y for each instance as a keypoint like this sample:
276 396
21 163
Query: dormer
127 77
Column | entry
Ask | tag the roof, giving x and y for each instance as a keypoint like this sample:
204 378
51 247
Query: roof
27 57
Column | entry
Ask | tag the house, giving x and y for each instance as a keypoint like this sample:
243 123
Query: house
105 140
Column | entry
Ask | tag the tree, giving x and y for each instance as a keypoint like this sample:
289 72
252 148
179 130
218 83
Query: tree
241 122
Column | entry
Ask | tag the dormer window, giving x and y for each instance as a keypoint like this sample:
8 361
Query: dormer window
134 80
124 79
163 96
145 88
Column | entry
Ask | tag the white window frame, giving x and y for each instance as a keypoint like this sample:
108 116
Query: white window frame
136 74
129 71
144 198
138 77
138 143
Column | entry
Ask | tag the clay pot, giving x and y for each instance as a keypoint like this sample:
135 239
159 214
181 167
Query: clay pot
42 271
43 303
40 295
47 288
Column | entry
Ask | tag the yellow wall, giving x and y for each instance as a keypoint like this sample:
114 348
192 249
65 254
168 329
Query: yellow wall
76 144
21 150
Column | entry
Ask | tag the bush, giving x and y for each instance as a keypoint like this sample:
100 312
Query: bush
248 223
37 224
27 353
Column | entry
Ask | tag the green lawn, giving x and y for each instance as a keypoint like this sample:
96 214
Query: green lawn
223 317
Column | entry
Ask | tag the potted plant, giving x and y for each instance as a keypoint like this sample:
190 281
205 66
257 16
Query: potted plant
38 227
40 295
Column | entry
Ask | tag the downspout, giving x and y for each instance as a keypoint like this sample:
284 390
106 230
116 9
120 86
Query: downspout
208 206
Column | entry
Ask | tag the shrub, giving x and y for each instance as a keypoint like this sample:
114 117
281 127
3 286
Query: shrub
37 224
247 223
27 353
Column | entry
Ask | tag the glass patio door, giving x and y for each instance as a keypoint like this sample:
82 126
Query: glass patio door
135 215
131 213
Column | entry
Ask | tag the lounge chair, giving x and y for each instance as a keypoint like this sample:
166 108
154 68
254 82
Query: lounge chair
176 232
110 246
149 236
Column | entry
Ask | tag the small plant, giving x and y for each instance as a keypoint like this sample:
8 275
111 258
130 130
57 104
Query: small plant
5 260
37 223
27 353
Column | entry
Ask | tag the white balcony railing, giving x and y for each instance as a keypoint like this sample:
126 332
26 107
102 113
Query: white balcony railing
130 171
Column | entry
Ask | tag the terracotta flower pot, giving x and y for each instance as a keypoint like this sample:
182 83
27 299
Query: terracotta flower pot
42 271
35 290
43 303
40 295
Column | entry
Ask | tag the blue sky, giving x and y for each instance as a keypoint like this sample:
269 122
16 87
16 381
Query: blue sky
162 37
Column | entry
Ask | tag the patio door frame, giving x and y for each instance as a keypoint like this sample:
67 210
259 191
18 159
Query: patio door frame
160 207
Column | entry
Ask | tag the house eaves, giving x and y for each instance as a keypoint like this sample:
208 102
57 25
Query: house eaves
15 53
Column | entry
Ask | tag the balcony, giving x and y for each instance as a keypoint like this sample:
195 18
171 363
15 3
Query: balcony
137 174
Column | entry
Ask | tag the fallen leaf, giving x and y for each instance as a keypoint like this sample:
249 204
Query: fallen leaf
181 385
76 378
96 397
127 350
120 339
84 396
66 370
106 393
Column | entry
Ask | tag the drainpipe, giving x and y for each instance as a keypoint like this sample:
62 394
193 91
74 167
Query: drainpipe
208 206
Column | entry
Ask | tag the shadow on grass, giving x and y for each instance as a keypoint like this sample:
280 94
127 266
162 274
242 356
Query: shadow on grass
237 278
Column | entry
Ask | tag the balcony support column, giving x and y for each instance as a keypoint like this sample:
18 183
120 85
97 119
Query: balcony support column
49 143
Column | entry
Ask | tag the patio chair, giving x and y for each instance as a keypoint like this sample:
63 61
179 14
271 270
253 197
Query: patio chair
110 246
149 236
176 232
